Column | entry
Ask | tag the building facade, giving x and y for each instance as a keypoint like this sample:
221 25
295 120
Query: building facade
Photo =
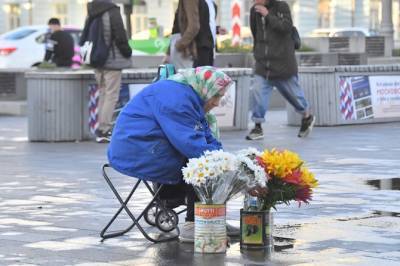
160 11
307 14
312 14
16 13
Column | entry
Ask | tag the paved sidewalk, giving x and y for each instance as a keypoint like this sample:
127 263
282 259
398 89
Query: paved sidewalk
53 202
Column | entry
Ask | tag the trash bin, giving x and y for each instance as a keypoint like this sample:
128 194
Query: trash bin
60 101
344 95
54 106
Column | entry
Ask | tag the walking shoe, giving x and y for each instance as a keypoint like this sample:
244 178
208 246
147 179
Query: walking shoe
187 232
232 230
255 133
307 125
102 137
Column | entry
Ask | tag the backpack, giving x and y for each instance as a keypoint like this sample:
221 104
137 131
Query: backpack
294 34
164 72
296 38
95 50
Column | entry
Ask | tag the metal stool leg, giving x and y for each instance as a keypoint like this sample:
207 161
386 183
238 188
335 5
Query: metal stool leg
135 220
123 206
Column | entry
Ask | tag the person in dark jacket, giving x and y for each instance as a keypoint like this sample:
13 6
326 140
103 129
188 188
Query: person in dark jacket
166 124
182 49
59 46
206 39
194 31
274 51
108 77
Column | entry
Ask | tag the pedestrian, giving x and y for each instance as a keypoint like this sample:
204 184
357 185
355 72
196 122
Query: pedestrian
194 31
59 46
274 52
108 76
206 39
166 124
182 49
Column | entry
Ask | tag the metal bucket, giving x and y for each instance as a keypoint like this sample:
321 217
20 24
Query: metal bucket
256 229
210 228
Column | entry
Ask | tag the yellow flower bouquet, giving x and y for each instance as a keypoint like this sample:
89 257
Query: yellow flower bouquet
288 178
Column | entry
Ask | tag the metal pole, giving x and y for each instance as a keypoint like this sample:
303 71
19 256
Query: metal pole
387 26
353 13
30 12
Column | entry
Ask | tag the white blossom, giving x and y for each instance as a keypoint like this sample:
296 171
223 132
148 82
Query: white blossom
218 176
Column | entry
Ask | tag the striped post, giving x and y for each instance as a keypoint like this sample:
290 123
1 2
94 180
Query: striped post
93 108
236 22
346 99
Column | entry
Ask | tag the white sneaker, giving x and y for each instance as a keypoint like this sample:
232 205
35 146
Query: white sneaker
255 134
306 127
187 232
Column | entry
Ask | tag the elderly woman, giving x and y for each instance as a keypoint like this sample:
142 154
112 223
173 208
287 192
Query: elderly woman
166 124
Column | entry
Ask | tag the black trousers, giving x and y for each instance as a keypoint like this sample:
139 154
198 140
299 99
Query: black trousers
180 192
205 57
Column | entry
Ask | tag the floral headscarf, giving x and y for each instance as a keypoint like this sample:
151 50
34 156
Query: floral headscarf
207 82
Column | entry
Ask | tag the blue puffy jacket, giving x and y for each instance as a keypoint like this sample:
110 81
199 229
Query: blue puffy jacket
158 130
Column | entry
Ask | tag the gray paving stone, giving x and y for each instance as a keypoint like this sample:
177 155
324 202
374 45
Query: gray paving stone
54 202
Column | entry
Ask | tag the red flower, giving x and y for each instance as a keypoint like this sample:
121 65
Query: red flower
207 74
293 178
303 195
260 162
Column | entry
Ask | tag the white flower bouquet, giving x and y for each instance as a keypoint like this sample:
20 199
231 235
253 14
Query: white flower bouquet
218 176
250 167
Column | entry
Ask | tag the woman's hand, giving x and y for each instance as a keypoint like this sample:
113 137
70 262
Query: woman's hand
221 31
262 10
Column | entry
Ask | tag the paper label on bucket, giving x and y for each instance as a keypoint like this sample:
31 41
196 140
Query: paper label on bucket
210 212
210 229
252 231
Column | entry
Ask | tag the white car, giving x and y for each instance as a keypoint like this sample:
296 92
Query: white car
24 47
342 32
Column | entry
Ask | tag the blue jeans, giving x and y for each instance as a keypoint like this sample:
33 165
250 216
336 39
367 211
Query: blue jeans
289 88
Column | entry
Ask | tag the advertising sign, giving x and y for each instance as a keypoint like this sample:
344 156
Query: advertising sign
366 97
225 112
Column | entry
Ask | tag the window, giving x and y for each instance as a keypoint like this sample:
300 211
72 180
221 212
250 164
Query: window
349 34
246 12
139 15
42 38
138 24
18 34
324 11
75 34
14 12
60 11
374 22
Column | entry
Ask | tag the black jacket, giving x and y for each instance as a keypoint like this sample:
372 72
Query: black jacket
273 45
60 49
97 9
204 38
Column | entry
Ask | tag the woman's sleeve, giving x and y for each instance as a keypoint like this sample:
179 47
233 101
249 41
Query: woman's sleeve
119 34
185 130
210 137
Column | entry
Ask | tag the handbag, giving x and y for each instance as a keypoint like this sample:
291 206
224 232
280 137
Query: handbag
164 72
296 38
